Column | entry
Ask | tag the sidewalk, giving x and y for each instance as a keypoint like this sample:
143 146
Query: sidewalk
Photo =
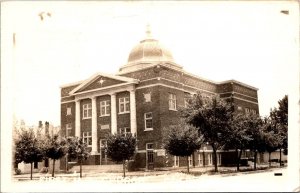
180 172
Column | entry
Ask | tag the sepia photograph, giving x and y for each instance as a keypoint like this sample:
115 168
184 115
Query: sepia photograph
168 96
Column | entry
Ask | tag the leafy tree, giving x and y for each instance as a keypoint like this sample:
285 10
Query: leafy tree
272 137
212 117
28 148
121 148
55 148
254 129
77 149
238 137
182 140
280 117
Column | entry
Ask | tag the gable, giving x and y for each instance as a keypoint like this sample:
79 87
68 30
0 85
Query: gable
100 82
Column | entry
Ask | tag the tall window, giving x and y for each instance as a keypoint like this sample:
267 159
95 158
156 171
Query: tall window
148 121
87 111
172 101
200 159
68 129
210 159
219 159
104 108
124 105
186 102
247 110
87 138
125 130
69 111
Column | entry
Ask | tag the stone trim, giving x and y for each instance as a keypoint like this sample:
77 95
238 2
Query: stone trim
241 99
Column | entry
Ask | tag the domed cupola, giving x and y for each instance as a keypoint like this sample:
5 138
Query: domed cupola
147 53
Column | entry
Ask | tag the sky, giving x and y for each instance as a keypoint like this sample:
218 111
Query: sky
249 41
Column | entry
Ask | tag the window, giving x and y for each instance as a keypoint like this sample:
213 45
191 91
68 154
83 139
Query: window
87 138
104 108
239 108
219 159
149 146
148 121
209 159
186 102
172 101
124 105
147 97
68 129
69 111
125 130
247 110
200 159
253 111
87 111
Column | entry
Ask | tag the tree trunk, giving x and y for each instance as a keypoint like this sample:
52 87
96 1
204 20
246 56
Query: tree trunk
280 157
188 164
255 155
215 159
80 163
31 171
53 167
123 168
269 159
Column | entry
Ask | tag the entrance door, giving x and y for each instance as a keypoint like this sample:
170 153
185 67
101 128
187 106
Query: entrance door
103 154
149 156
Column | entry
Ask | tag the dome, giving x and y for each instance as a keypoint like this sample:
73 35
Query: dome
148 52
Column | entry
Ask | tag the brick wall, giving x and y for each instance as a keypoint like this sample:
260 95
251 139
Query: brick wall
67 119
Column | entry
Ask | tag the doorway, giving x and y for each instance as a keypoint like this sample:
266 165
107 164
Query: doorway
149 156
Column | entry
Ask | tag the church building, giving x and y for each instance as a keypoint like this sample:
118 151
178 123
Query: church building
142 98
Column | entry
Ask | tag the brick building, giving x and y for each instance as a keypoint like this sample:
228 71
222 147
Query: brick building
142 98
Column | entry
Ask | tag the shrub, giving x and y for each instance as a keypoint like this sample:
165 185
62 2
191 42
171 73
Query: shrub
17 171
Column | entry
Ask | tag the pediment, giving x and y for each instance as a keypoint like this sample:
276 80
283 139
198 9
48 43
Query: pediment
101 81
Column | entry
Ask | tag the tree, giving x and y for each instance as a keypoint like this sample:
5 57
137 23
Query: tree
182 140
55 148
212 117
254 129
77 149
280 118
238 137
272 137
121 148
28 148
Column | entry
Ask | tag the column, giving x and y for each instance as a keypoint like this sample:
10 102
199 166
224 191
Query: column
77 118
113 113
132 112
94 126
